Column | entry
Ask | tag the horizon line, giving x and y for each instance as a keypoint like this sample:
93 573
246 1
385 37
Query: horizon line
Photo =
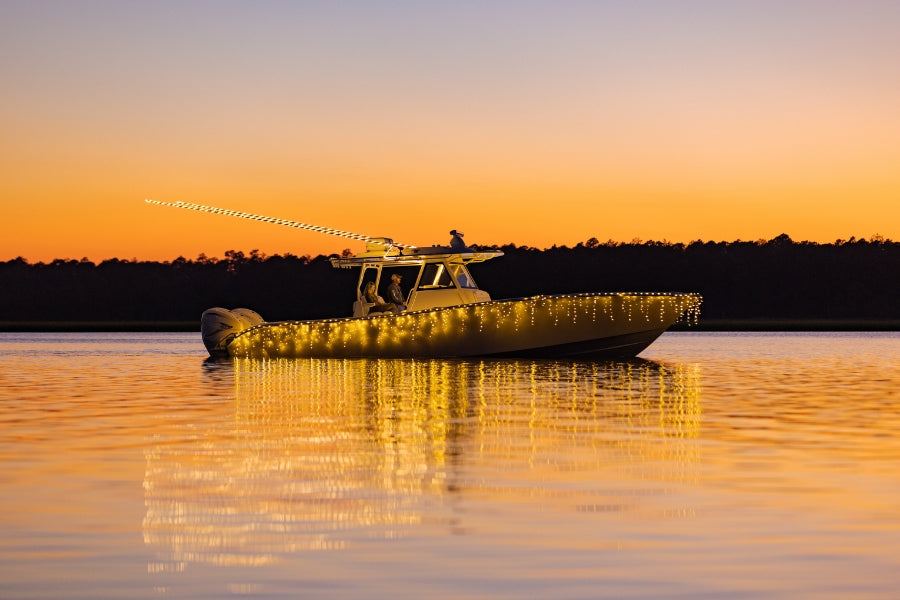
590 243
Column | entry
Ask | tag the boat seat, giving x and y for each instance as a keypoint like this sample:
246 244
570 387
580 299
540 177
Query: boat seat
361 308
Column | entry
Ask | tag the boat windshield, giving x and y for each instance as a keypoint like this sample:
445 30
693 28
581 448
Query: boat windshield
462 276
435 276
441 275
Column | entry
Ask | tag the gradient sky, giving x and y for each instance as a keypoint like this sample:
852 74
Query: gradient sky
535 123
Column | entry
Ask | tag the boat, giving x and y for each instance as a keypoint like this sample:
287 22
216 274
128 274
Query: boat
446 314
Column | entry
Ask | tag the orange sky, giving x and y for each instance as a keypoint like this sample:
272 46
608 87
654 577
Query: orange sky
539 123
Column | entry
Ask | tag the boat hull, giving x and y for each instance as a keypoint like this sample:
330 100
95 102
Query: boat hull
617 346
574 325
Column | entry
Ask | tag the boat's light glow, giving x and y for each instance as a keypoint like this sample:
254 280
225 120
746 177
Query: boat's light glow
453 331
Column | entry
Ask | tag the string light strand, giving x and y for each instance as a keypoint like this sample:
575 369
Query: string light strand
274 220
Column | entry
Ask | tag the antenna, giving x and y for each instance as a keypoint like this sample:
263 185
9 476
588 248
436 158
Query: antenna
243 215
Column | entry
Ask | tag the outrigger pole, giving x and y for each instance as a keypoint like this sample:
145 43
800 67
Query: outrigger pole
243 215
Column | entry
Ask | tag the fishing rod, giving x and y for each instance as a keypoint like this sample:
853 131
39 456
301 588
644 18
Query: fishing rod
244 215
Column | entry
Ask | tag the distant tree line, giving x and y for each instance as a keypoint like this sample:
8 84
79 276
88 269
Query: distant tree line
773 279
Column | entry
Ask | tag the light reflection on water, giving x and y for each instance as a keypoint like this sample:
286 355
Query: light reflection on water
320 452
756 465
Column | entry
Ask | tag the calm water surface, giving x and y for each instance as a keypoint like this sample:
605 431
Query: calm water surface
739 465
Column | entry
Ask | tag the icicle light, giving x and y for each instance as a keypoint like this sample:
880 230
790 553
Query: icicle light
472 329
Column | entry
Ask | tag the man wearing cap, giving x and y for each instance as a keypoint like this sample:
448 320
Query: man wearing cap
395 294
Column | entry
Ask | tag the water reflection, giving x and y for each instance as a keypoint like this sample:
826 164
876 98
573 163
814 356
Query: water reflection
320 454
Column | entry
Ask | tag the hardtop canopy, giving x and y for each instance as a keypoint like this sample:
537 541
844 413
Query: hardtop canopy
412 257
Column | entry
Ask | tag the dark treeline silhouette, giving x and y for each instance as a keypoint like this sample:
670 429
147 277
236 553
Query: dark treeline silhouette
774 279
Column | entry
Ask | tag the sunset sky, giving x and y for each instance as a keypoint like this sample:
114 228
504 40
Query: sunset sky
529 122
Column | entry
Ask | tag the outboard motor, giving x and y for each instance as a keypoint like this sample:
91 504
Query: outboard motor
218 326
250 316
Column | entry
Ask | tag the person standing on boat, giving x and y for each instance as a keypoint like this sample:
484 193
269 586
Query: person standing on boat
456 242
377 305
395 294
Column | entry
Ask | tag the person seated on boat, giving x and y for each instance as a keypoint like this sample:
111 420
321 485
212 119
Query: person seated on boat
456 242
377 306
395 294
